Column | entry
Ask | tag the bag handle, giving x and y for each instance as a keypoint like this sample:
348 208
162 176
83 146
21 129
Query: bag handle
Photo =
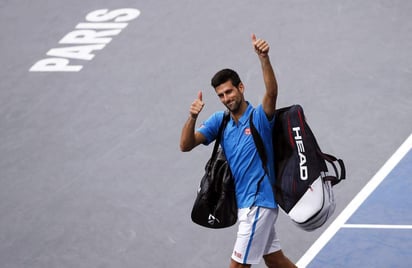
340 174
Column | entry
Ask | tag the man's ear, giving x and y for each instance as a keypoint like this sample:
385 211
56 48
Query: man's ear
241 87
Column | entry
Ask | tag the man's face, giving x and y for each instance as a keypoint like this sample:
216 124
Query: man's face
230 96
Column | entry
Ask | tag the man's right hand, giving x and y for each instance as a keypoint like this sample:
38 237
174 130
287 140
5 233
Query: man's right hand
197 106
190 138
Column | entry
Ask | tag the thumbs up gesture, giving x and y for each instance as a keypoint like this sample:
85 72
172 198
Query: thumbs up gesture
197 105
261 46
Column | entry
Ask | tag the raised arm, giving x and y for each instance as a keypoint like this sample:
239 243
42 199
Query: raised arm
269 100
189 138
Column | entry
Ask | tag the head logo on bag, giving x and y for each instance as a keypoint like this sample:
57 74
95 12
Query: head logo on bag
301 153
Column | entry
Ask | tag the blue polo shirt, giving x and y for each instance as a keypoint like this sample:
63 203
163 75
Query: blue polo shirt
243 157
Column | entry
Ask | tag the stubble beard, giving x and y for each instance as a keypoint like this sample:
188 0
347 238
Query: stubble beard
234 108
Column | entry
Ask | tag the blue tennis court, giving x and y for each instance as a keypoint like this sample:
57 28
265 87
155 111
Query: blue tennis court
375 229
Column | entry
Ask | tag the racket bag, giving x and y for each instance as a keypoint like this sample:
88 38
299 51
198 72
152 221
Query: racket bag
305 176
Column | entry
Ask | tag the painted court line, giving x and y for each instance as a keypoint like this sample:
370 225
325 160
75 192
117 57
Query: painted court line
377 226
339 222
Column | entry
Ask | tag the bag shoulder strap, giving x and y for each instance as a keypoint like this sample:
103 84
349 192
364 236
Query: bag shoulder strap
261 151
258 143
225 120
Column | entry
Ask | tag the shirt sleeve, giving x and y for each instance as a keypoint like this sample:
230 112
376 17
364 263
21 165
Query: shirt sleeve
210 127
260 119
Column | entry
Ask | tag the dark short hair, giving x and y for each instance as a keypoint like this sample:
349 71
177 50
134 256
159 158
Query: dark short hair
225 75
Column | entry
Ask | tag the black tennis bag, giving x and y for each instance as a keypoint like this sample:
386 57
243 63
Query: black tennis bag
215 204
304 174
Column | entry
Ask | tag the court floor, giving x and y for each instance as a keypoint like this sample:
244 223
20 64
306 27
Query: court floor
375 229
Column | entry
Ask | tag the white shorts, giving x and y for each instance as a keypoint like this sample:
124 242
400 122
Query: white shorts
256 235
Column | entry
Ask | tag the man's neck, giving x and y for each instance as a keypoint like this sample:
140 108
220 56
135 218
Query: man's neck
242 109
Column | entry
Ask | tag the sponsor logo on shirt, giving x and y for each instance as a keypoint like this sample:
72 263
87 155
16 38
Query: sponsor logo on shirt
247 131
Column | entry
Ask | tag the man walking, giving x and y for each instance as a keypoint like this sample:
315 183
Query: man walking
256 237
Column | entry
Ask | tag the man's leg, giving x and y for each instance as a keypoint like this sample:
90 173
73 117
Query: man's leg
277 260
256 236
